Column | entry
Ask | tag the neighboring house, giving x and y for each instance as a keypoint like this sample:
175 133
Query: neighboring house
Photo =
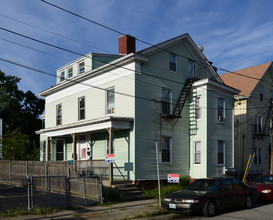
124 104
253 112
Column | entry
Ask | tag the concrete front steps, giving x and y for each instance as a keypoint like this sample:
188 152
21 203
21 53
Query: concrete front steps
128 190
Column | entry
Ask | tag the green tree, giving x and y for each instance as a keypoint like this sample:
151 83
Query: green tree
20 110
14 143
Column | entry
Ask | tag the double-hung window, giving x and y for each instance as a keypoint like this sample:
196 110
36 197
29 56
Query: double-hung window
62 76
59 114
197 108
221 152
257 125
81 67
173 62
197 152
110 101
70 72
258 156
190 68
166 149
166 101
81 104
221 110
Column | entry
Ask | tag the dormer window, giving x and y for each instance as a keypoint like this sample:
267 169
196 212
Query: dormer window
81 67
70 72
62 76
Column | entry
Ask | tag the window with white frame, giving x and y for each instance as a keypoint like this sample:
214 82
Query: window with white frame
59 114
81 104
70 72
62 76
173 62
166 101
197 108
257 125
221 152
81 67
221 110
197 152
261 93
190 68
110 101
166 149
258 156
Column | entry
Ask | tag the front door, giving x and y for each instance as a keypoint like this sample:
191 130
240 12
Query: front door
59 150
82 148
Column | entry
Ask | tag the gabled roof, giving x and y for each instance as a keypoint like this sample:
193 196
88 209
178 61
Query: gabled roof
185 38
247 79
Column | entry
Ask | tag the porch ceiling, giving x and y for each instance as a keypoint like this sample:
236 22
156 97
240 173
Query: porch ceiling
116 123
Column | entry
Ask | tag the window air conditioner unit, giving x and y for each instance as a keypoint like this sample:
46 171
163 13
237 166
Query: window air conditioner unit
111 110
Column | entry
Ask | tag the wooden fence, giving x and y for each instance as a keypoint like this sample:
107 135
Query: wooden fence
46 173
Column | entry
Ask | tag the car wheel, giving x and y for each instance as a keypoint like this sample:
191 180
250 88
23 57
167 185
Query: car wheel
249 202
209 208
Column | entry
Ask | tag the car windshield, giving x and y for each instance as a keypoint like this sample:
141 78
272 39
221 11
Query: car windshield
263 180
204 185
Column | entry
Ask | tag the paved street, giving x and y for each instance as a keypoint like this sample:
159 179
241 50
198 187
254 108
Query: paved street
261 211
17 197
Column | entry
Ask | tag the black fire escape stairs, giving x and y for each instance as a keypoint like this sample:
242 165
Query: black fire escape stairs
268 121
183 98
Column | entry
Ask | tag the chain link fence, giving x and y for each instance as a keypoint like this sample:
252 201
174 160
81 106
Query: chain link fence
50 191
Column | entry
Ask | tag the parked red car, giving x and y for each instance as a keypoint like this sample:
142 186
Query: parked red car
264 186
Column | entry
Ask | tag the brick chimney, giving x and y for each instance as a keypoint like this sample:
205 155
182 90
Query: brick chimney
127 44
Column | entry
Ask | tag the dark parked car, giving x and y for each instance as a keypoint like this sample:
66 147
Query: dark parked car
208 195
264 186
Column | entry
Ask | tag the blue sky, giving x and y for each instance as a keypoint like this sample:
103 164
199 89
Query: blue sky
235 33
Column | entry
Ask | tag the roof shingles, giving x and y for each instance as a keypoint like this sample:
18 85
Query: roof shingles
245 80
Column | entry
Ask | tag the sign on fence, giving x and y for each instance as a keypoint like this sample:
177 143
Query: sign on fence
109 158
173 178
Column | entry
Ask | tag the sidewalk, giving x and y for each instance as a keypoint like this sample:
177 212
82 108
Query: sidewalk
117 211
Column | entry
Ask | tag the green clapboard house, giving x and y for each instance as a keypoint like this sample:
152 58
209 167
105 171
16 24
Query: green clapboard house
166 97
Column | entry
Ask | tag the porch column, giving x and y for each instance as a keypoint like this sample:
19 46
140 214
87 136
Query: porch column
110 131
74 135
48 148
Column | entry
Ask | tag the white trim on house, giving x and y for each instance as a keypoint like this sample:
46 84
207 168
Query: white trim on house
118 63
87 126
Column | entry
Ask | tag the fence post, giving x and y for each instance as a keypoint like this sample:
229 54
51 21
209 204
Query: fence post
31 193
10 172
26 168
67 190
46 174
49 190
28 193
84 188
68 169
100 189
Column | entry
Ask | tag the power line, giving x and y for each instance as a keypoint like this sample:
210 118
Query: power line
77 53
54 33
147 43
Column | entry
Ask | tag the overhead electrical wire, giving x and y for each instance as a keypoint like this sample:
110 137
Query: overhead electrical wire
142 41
